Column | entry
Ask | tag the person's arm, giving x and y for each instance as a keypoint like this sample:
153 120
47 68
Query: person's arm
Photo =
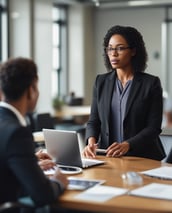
93 127
150 117
23 163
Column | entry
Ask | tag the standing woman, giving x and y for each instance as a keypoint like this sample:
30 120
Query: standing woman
126 110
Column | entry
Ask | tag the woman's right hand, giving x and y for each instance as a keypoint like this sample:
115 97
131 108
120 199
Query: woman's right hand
90 150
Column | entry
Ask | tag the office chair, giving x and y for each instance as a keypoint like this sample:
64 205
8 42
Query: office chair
30 121
169 157
43 120
76 102
15 207
166 140
9 207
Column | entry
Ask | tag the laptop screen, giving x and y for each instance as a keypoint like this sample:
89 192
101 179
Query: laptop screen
63 146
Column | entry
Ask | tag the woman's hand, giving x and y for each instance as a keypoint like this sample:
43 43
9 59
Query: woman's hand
90 150
118 149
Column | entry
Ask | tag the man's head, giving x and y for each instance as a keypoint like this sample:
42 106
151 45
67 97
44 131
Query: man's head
18 78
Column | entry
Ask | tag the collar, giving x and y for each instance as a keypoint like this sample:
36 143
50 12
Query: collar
15 111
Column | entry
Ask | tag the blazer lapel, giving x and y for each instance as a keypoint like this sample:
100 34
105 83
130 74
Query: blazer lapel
133 92
109 90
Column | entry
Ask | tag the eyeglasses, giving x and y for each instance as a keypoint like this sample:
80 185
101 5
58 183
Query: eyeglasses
119 50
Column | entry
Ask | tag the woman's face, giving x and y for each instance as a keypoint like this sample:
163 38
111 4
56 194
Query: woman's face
119 52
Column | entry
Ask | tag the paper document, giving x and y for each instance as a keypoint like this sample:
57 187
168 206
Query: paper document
154 190
101 193
164 172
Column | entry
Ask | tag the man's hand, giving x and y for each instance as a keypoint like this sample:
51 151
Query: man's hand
46 164
42 155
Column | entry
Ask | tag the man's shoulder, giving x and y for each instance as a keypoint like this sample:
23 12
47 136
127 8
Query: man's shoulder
8 119
10 126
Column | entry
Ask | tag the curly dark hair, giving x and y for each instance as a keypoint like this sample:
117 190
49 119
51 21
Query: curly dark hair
16 76
134 40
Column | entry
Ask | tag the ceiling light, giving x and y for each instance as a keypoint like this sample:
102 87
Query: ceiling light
97 3
139 3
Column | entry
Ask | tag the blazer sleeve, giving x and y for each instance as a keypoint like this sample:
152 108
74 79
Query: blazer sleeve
23 164
94 123
146 117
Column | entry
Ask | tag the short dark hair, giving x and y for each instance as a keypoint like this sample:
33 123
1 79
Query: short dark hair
134 40
16 76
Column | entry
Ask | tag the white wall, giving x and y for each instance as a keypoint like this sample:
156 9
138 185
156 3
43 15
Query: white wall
147 21
76 53
81 51
43 51
87 27
20 28
31 36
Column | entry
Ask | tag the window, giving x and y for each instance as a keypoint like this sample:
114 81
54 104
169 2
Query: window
59 73
3 30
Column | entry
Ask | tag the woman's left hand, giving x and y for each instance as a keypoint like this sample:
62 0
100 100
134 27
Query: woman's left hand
118 149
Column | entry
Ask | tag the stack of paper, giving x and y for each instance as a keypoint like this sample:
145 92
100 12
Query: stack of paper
154 190
101 193
164 172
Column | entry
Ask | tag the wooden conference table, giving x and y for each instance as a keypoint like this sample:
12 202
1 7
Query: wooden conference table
111 171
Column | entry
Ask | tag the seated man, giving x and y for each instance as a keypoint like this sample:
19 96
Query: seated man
20 172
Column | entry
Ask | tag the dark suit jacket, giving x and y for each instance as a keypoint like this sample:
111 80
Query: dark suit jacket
18 164
143 117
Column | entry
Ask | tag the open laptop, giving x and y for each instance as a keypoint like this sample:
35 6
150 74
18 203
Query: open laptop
63 146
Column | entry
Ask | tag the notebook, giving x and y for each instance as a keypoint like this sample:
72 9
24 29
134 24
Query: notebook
63 147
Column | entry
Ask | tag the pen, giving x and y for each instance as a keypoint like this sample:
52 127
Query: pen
40 151
101 150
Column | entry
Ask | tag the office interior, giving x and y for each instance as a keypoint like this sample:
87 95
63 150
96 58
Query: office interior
29 33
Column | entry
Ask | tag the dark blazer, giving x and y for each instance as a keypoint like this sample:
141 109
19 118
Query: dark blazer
18 164
143 117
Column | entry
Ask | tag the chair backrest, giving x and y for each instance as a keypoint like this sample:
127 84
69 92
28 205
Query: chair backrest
166 140
169 157
76 102
30 121
43 120
15 207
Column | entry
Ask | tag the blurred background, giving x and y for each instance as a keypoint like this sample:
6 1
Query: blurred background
64 37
